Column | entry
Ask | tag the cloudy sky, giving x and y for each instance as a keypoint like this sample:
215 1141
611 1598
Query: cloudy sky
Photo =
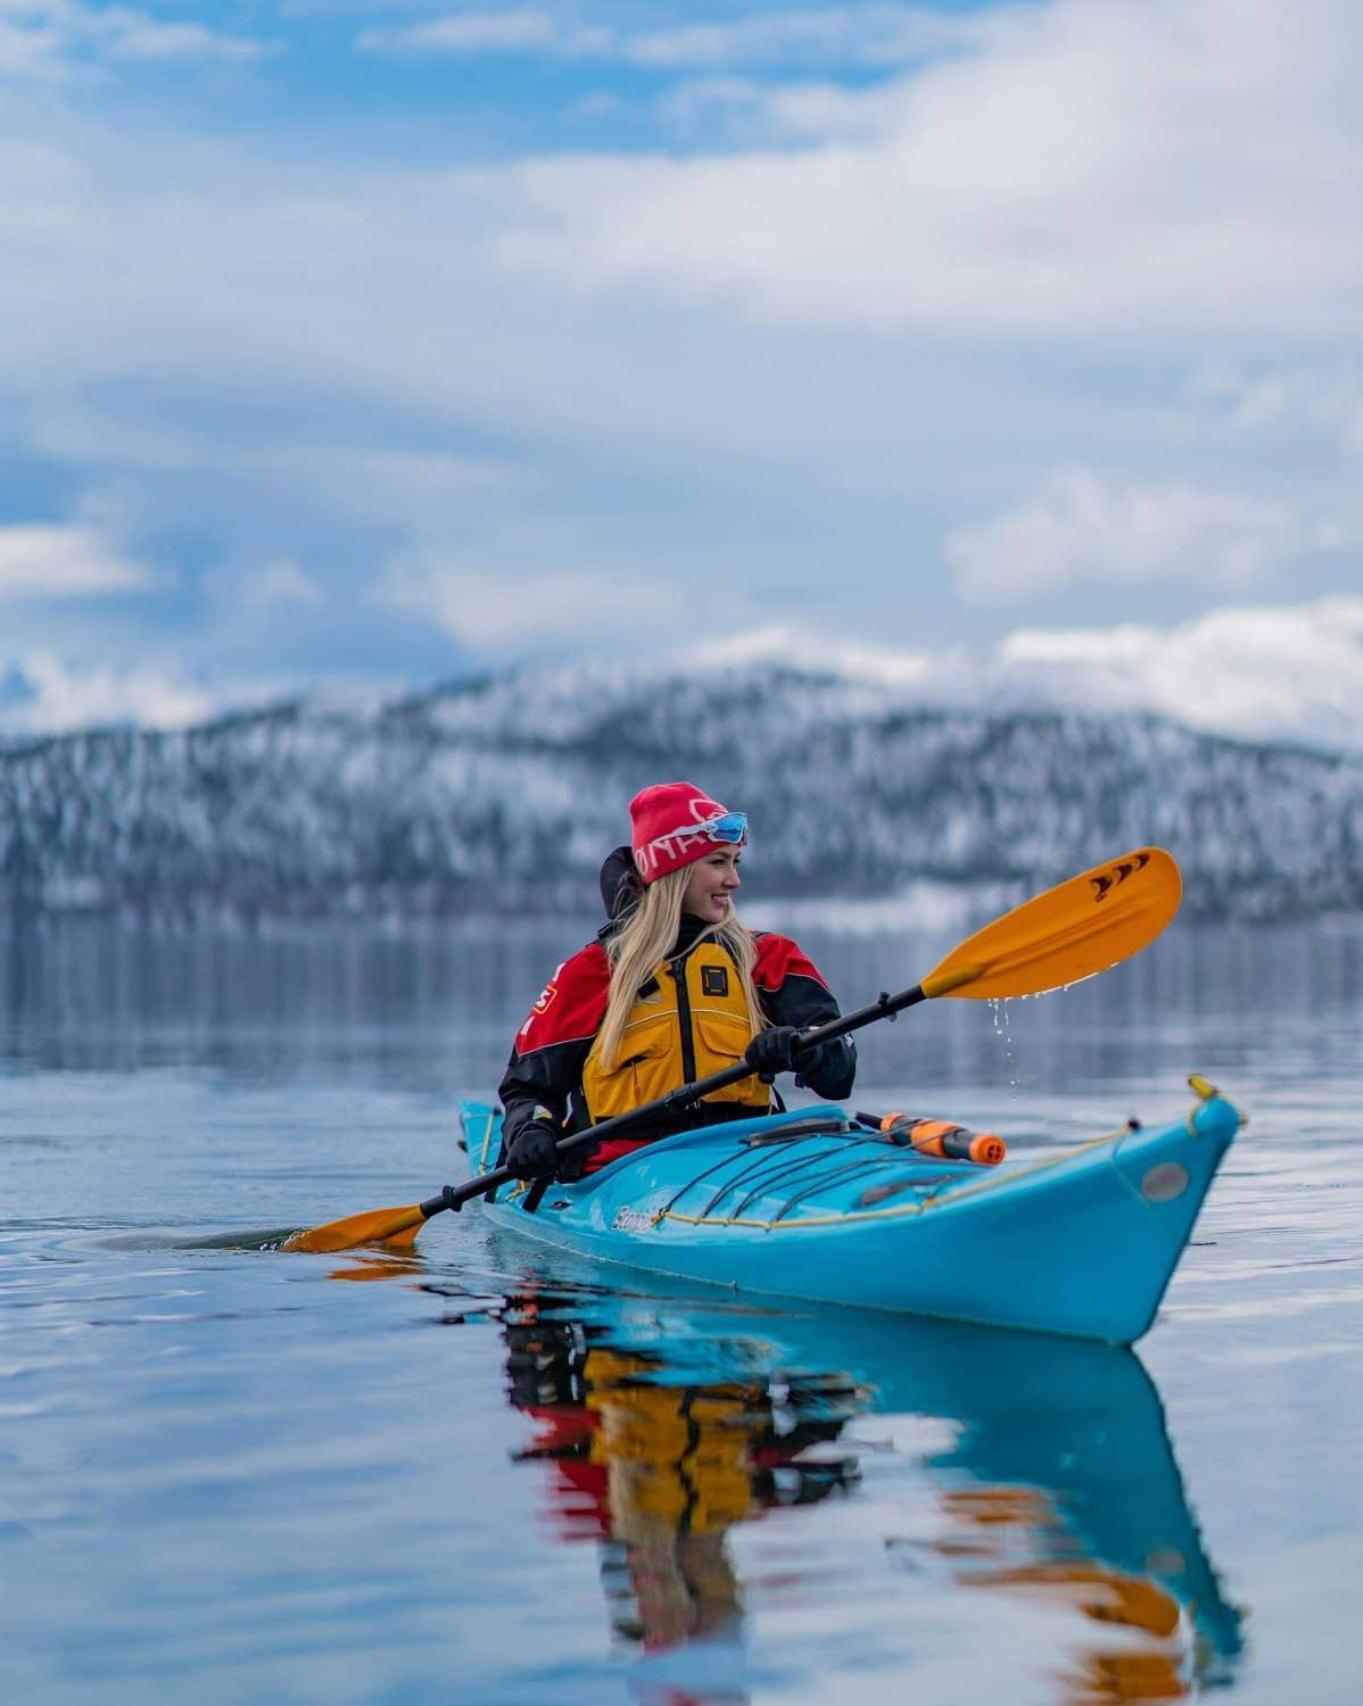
372 341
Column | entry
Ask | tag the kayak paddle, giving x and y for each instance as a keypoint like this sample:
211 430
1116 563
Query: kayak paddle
1073 931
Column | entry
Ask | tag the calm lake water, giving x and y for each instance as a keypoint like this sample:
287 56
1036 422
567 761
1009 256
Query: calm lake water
231 1474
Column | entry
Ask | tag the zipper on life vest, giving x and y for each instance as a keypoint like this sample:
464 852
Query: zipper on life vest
688 1042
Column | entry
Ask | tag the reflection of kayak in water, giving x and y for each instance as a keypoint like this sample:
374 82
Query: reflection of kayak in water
1065 1445
662 1424
812 1205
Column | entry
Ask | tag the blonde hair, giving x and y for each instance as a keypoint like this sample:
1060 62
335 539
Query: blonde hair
648 937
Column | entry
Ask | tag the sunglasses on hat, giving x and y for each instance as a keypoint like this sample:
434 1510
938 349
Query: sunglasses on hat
731 827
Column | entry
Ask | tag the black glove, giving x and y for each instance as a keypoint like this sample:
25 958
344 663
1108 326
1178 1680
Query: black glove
533 1152
772 1051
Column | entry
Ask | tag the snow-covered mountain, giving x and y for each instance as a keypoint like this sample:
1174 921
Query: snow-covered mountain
503 796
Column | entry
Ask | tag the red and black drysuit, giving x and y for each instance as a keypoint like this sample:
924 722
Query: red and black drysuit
546 1066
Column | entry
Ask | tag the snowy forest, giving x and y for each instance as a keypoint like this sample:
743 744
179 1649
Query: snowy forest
502 795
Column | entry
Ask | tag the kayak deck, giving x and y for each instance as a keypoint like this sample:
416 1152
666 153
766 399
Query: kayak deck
810 1204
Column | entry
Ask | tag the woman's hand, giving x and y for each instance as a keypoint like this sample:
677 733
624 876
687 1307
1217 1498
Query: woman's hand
773 1050
533 1152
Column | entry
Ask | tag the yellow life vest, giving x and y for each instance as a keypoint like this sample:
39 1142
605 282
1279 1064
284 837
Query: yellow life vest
689 1020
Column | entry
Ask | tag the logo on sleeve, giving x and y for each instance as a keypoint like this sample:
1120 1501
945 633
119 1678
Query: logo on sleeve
547 996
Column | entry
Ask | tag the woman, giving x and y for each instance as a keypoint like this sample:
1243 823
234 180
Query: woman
672 990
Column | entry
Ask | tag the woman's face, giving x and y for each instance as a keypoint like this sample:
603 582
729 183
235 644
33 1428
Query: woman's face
713 880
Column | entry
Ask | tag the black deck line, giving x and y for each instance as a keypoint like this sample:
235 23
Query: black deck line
726 1161
777 1167
930 1188
775 1159
784 1169
835 1177
869 1164
792 1133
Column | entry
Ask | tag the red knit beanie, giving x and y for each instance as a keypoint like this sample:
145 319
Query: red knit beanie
667 833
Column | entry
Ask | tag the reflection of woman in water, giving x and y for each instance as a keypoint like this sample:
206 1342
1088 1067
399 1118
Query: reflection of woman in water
659 1472
1059 1484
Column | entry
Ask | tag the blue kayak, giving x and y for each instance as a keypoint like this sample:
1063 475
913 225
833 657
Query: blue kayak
812 1204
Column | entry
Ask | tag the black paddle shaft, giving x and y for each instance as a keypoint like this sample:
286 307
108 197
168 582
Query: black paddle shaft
675 1101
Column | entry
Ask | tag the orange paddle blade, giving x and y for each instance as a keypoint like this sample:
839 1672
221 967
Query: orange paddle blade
404 1240
375 1226
1074 930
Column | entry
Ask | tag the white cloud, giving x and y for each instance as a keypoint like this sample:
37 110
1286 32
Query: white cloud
517 30
1274 672
1321 398
519 610
1138 167
30 40
1082 527
278 583
1279 671
77 433
49 561
779 643
975 200
369 478
60 697
876 35
869 35
131 35
748 112
46 39
414 477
